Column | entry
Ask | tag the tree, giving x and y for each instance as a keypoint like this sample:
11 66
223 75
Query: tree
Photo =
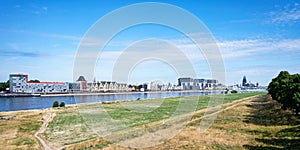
4 85
55 104
62 104
297 98
285 89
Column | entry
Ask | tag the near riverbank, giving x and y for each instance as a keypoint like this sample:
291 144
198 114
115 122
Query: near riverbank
249 123
74 122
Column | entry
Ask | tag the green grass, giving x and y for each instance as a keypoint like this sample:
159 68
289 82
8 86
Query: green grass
237 96
24 141
166 109
256 124
29 126
66 118
69 126
100 146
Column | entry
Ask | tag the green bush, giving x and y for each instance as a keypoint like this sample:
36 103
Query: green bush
234 91
285 88
62 104
55 104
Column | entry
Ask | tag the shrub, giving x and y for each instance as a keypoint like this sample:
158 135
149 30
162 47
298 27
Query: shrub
234 91
285 89
62 104
55 104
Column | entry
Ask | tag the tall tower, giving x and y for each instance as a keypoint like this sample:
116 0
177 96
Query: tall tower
244 82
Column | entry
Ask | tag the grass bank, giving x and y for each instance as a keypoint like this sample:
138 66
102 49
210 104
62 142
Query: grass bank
258 123
69 126
17 129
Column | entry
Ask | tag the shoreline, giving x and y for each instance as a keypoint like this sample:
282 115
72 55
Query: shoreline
217 92
97 94
112 93
68 106
123 93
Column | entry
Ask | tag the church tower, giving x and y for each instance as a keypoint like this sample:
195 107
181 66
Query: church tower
244 82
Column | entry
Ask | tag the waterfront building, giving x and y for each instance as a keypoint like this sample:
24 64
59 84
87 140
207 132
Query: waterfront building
197 84
186 83
74 87
19 84
154 86
107 86
211 83
83 84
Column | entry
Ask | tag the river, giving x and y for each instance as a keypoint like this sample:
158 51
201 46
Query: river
27 103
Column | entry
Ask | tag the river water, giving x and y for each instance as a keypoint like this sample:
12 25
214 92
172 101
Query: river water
27 103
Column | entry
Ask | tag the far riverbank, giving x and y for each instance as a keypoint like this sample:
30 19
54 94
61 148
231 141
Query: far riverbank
121 93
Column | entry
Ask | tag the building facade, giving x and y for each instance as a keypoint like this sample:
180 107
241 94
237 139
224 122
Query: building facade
107 86
197 84
19 84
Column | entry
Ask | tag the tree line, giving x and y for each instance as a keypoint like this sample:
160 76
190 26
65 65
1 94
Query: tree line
285 88
4 85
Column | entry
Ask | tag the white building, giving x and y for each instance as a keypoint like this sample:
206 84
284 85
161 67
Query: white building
19 84
107 86
197 84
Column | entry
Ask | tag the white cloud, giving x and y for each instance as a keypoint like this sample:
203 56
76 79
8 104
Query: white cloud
244 48
234 49
287 15
50 35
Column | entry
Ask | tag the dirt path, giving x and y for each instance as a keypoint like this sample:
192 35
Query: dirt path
42 129
225 107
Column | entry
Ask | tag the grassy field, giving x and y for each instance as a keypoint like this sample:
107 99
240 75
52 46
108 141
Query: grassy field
256 123
18 132
69 126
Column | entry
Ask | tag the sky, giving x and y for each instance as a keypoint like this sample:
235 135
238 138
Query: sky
256 39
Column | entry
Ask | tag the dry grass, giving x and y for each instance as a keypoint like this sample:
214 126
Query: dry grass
253 124
250 125
69 127
18 132
257 123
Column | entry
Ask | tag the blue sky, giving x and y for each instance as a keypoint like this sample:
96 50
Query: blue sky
256 38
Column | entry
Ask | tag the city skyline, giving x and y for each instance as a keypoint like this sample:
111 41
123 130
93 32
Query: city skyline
257 39
20 83
82 78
